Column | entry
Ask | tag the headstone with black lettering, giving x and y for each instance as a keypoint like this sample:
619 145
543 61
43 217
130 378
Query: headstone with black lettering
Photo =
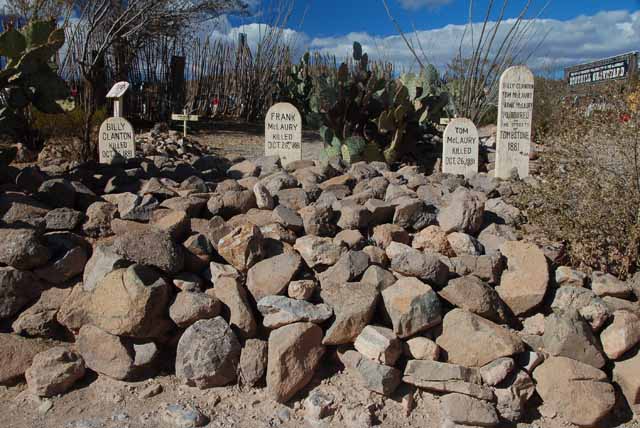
460 146
116 141
515 111
283 133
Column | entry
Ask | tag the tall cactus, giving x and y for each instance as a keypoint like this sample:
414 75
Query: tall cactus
30 78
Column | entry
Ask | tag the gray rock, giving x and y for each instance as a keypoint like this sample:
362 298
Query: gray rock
21 249
253 362
150 248
234 296
134 207
349 267
189 307
103 261
353 305
105 353
379 344
279 311
272 276
54 372
59 271
462 212
466 410
592 308
568 335
412 305
63 219
318 251
378 377
17 290
208 354
474 295
39 320
179 416
411 262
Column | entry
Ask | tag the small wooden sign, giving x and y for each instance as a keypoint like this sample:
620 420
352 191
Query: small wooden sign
185 118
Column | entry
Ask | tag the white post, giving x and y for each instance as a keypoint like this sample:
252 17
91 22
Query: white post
184 112
117 107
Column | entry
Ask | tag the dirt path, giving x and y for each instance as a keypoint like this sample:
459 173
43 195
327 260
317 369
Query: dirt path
233 139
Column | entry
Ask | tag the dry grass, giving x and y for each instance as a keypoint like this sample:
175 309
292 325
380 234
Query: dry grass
589 196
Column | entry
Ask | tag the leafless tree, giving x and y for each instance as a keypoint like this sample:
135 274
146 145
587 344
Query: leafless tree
487 48
120 28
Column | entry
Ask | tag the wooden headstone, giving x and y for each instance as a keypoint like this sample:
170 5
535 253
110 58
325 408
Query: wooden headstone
460 147
283 133
515 111
116 141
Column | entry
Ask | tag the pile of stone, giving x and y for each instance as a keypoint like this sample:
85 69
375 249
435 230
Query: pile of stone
256 273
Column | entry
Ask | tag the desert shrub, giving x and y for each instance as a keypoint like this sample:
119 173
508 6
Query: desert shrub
589 193
547 101
65 125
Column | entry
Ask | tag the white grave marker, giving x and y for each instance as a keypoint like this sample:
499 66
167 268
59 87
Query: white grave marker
116 141
185 118
283 133
460 148
515 110
116 93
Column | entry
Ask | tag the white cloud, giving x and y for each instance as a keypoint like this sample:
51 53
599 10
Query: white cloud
580 39
419 4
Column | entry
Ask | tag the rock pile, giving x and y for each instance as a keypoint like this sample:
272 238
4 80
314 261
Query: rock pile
256 273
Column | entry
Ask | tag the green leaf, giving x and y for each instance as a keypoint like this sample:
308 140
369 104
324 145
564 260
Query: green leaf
12 44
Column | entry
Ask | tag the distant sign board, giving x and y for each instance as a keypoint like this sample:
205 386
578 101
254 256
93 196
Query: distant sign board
615 68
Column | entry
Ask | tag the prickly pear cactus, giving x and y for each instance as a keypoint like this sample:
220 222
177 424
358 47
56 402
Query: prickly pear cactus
29 77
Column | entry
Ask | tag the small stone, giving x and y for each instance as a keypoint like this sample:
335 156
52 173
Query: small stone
103 261
421 348
524 285
190 306
379 344
378 377
578 392
534 325
411 262
462 244
379 277
608 285
385 234
272 276
105 353
568 335
412 305
54 372
625 374
208 354
433 238
622 335
496 371
179 416
301 290
234 296
294 353
150 248
318 405
279 311
474 295
21 249
318 220
253 362
566 276
353 305
17 290
150 391
462 212
318 251
473 341
243 247
63 219
466 410
264 199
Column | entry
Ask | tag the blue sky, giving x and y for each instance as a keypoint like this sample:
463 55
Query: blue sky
571 31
